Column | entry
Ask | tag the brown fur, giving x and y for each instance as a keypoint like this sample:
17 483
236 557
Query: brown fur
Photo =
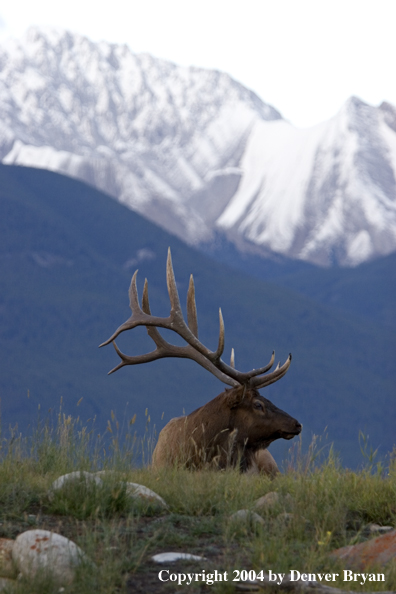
263 462
234 428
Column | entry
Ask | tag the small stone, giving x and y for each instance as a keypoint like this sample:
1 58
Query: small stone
171 557
44 550
373 528
32 519
377 551
144 493
7 568
245 515
77 476
268 501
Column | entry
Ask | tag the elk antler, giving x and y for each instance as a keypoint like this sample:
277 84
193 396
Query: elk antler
195 350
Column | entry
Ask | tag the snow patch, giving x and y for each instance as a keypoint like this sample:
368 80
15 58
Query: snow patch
360 248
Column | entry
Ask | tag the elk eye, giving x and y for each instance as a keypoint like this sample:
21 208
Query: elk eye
259 405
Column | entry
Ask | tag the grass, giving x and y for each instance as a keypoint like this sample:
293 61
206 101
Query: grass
330 507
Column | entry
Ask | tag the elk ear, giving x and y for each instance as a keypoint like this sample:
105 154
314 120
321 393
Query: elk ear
235 396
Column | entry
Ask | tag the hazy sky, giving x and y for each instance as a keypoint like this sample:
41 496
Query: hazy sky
305 57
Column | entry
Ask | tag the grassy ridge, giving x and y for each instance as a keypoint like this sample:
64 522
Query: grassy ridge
330 507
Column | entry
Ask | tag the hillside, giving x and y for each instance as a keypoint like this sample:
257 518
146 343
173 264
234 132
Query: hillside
364 292
67 253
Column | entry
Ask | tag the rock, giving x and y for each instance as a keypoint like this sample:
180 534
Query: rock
146 495
7 568
268 501
377 551
273 500
170 557
43 550
32 519
108 474
6 583
373 528
74 477
133 490
245 515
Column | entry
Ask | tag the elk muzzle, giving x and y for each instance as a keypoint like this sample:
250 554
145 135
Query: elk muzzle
294 430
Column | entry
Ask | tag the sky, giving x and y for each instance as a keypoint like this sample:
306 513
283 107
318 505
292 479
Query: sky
304 57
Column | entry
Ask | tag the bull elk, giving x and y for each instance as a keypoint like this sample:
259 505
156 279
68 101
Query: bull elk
234 428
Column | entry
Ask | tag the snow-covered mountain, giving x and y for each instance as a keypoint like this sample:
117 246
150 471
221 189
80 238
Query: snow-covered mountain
326 194
198 153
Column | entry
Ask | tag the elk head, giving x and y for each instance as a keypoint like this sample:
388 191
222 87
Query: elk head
241 412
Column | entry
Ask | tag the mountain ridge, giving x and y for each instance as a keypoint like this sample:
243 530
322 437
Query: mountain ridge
199 154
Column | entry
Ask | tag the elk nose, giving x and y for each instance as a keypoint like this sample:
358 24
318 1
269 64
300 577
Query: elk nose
298 426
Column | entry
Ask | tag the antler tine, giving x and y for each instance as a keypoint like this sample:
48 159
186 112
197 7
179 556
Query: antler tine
122 357
260 382
245 377
145 299
262 370
133 294
171 282
146 358
152 330
135 308
220 346
183 329
232 360
192 319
